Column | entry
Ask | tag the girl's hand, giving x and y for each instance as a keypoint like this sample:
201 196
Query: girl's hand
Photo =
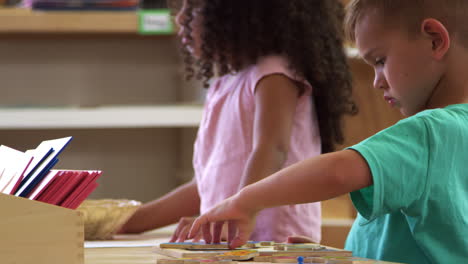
241 221
182 230
299 240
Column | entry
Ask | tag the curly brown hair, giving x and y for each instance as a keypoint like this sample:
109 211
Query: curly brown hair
309 33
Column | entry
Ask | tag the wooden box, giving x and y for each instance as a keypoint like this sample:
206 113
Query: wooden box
39 233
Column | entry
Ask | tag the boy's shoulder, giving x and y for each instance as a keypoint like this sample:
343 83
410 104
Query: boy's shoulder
452 114
455 109
440 122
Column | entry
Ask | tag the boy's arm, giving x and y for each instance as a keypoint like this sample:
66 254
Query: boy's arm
315 179
276 98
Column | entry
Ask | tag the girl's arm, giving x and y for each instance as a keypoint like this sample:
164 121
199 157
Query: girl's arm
276 98
315 179
181 202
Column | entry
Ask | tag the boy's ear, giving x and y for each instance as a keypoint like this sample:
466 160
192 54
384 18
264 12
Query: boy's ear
438 34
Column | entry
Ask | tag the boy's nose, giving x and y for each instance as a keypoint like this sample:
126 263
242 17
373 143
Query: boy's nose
379 81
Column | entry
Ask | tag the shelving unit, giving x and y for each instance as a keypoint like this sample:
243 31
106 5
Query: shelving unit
92 76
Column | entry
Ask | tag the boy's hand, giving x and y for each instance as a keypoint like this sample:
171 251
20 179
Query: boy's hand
241 222
182 230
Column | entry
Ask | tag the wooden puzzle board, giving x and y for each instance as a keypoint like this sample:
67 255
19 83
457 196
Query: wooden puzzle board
264 251
283 260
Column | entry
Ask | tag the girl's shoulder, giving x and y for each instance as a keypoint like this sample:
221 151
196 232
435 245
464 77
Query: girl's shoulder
264 66
277 64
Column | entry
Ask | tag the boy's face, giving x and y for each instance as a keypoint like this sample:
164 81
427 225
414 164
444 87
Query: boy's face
403 66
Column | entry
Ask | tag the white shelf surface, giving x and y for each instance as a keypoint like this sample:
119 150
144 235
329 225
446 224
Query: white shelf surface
101 117
339 222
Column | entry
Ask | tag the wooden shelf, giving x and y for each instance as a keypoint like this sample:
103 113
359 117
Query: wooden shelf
27 21
101 117
15 20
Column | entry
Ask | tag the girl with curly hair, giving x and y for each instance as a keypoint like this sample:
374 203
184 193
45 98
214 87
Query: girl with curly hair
279 85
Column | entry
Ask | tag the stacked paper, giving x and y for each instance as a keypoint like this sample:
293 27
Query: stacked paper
29 174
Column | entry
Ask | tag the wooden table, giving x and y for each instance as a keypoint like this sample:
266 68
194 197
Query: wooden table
120 256
126 255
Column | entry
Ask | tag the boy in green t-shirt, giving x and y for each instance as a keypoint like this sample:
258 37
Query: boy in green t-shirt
409 182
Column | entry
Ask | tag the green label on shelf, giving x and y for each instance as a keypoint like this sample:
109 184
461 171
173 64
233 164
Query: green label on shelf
155 21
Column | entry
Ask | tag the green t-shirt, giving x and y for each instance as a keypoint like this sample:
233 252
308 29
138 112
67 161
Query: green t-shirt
417 209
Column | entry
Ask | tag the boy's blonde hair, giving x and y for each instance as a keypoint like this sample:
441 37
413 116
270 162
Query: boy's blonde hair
409 14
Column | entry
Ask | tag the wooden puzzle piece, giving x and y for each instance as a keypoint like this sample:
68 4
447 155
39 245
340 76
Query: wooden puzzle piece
353 260
252 244
263 259
318 253
238 255
192 245
206 254
208 261
194 261
316 248
284 259
169 261
224 245
258 244
298 247
345 261
184 253
291 259
304 250
279 246
315 260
